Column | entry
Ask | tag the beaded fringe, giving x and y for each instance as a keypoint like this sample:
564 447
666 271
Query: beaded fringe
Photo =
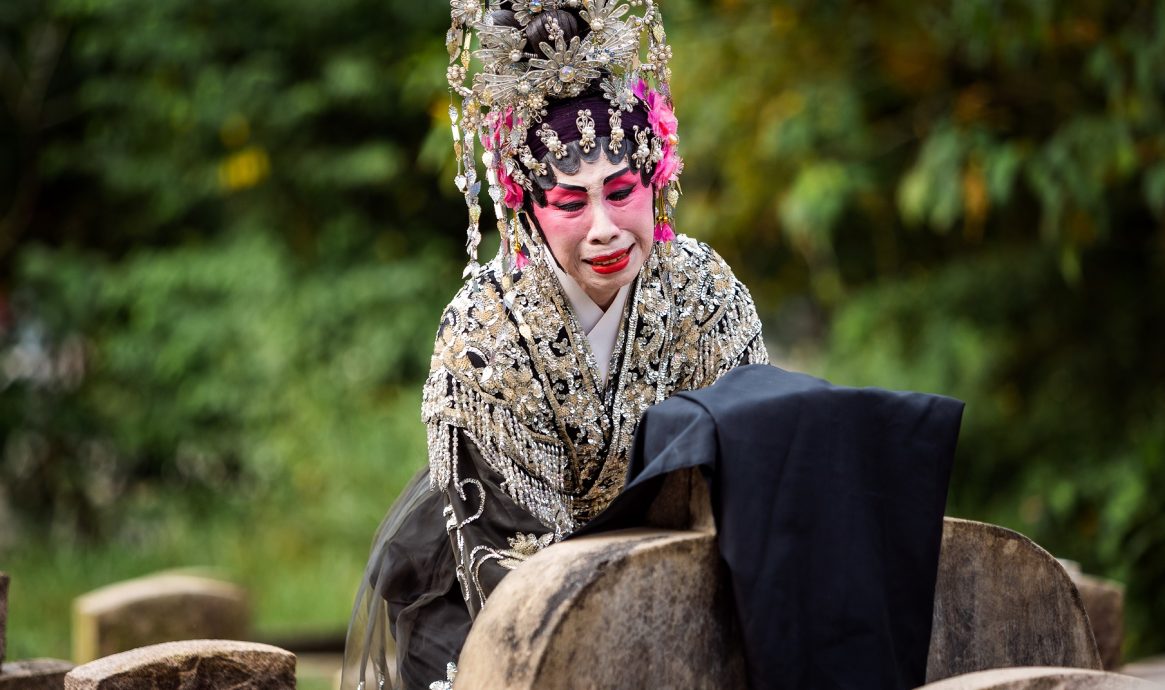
533 470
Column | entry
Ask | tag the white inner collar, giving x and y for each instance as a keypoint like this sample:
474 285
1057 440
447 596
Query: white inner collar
601 327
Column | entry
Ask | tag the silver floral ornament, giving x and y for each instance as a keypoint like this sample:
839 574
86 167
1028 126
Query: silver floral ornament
565 70
465 12
503 48
603 15
618 92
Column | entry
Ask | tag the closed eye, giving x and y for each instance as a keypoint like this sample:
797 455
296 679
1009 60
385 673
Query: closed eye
571 206
621 194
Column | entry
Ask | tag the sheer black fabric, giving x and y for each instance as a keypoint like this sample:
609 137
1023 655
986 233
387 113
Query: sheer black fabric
409 594
410 600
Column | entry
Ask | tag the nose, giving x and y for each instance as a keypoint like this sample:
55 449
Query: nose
603 229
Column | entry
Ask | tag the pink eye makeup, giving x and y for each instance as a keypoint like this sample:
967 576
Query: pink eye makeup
565 200
625 179
617 188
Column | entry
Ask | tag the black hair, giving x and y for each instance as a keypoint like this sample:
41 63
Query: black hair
538 29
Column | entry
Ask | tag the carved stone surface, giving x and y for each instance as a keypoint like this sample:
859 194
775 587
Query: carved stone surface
158 608
34 674
1041 678
3 617
189 665
1002 601
638 608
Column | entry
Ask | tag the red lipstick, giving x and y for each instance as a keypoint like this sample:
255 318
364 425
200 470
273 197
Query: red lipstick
611 263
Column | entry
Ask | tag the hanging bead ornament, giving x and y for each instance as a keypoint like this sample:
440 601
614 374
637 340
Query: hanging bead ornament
586 128
550 138
615 141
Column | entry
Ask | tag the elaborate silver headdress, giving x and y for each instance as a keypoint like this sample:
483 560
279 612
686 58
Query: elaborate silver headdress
624 53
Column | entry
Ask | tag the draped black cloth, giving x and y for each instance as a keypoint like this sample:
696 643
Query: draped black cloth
828 504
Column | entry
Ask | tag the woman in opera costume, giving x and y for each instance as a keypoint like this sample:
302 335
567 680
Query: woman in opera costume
546 359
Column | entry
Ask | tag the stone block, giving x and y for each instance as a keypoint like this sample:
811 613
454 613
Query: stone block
157 608
1002 601
189 665
1040 678
629 609
1104 600
34 674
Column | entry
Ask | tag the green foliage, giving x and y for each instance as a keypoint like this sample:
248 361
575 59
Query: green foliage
140 122
800 121
199 364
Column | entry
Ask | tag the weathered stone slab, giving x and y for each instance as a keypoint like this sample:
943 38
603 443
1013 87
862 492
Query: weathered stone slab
189 665
1002 601
3 618
34 674
1040 678
157 608
632 609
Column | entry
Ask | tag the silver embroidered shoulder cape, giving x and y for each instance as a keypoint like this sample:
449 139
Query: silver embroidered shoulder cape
513 376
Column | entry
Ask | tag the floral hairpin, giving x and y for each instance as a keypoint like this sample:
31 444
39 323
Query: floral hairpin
526 156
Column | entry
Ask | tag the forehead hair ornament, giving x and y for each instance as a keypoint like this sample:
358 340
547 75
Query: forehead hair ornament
505 93
586 128
550 138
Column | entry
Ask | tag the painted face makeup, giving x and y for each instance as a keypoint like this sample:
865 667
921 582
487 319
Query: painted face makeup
598 225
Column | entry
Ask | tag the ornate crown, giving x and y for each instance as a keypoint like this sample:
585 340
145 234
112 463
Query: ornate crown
623 55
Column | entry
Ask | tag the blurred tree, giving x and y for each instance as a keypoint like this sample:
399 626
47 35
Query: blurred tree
129 122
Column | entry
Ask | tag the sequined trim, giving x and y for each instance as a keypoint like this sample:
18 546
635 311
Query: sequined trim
450 677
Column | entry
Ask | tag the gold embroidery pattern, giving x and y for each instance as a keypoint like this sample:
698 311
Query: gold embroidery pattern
526 390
